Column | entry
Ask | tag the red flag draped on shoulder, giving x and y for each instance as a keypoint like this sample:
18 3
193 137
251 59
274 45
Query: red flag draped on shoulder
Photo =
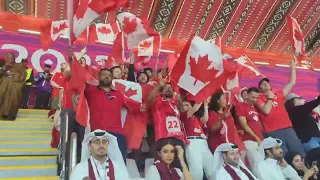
296 38
78 80
199 69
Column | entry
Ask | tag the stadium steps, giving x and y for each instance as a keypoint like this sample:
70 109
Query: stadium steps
25 152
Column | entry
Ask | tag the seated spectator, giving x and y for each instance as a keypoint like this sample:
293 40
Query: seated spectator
104 159
221 123
163 168
274 166
303 121
227 164
313 159
295 160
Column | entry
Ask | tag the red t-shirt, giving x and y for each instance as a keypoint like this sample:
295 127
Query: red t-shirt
105 110
166 119
252 117
67 94
278 117
58 79
218 137
192 125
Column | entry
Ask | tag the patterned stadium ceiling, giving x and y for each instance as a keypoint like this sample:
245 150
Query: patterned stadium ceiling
254 24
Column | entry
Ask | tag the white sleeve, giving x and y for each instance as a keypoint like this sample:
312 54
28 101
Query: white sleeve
152 173
221 174
180 173
290 173
77 173
261 171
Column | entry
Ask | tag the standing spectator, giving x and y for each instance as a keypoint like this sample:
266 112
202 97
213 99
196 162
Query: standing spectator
27 87
274 116
43 88
302 120
57 83
12 79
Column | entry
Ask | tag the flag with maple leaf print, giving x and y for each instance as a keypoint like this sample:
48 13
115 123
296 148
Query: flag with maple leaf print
142 61
117 55
130 89
103 32
52 30
172 59
199 65
86 11
135 29
296 37
245 67
150 46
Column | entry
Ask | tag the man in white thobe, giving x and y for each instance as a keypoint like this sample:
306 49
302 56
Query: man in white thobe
104 159
274 166
228 165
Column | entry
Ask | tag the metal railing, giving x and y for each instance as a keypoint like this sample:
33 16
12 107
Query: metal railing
73 153
63 150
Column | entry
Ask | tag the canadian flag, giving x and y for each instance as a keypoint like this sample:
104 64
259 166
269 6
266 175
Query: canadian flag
142 61
135 29
199 65
150 46
103 32
246 67
296 37
52 31
130 89
84 12
117 55
172 59
232 82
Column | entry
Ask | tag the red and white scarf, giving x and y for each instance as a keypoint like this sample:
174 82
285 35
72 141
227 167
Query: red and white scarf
109 170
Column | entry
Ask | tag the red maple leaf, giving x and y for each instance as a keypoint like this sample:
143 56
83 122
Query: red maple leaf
145 45
61 27
129 26
104 30
130 92
200 70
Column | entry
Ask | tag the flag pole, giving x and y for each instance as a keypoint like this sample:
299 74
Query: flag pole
70 13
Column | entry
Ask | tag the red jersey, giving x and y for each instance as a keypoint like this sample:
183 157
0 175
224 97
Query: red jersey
218 137
105 109
192 125
166 119
250 113
278 117
68 93
58 79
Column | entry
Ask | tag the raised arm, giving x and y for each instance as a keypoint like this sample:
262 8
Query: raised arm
205 117
131 76
292 81
193 110
265 107
153 94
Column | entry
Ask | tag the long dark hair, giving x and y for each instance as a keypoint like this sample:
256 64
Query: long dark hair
163 142
214 102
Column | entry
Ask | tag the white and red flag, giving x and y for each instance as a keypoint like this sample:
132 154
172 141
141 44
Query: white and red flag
135 29
117 55
52 31
199 69
129 89
103 32
150 46
83 12
296 37
245 67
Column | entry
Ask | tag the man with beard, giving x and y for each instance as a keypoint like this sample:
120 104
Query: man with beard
12 79
227 164
105 104
274 166
165 112
43 88
57 83
101 159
